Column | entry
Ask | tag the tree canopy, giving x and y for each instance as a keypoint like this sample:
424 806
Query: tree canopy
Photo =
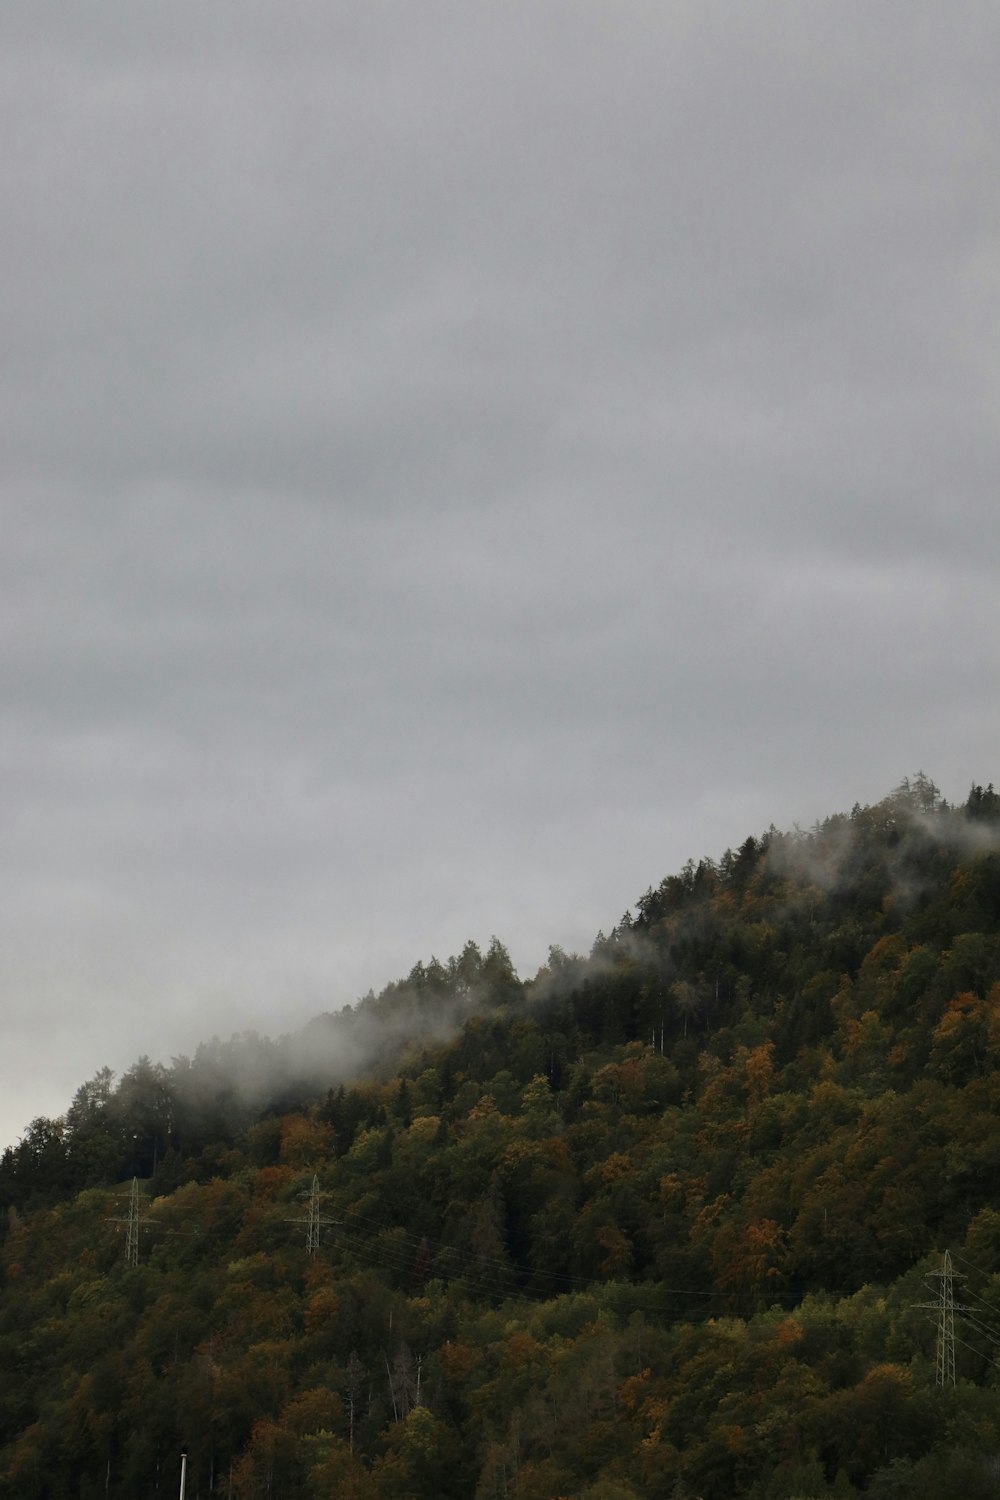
663 1220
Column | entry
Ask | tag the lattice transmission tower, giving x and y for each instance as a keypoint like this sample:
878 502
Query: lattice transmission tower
944 1306
314 1220
133 1224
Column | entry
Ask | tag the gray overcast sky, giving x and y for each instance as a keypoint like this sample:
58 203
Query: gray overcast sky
458 461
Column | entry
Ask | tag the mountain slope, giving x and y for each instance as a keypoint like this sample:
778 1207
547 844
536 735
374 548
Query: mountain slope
658 1222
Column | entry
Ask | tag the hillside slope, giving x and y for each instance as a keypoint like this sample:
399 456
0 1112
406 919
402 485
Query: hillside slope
667 1220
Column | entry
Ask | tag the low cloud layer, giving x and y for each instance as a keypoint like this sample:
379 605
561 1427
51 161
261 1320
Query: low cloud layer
458 462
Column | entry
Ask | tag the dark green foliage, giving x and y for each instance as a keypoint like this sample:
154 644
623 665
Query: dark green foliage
983 804
657 1223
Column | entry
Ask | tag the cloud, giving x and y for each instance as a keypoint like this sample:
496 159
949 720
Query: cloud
458 462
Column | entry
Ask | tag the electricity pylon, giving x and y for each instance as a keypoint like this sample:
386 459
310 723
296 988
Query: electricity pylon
132 1223
944 1306
315 1219
313 1222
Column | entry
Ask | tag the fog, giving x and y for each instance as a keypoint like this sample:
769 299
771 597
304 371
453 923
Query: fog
457 464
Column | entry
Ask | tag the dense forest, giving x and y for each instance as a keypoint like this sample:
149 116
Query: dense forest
667 1220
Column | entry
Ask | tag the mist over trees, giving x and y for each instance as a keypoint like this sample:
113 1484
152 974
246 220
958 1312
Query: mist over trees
663 1220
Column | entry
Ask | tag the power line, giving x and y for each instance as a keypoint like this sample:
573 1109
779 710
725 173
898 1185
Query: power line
982 1328
361 1234
977 1352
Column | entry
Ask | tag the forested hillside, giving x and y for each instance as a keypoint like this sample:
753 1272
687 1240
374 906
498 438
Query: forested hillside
665 1221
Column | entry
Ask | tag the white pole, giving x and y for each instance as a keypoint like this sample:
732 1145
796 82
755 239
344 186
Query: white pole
184 1468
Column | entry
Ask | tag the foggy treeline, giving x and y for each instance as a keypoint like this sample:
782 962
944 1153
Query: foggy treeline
666 1219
